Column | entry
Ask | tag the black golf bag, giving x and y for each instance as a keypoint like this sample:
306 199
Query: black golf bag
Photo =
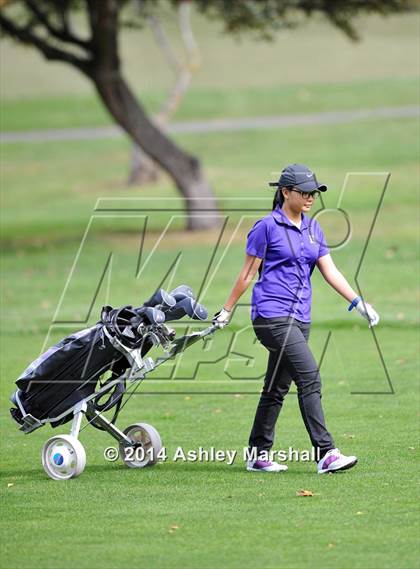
70 370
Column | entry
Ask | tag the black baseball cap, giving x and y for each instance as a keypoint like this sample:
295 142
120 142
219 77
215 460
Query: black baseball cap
300 177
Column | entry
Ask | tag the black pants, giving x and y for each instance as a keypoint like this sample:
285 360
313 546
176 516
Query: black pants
290 358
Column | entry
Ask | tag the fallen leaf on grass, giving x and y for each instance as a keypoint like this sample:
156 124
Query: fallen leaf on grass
304 493
331 545
359 513
10 484
173 528
390 253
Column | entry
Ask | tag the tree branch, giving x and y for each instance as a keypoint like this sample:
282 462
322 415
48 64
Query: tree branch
164 44
26 36
183 71
64 34
191 47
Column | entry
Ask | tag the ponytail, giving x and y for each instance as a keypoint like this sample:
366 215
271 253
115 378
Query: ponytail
278 198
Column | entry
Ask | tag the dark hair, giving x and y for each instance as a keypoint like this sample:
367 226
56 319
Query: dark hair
278 196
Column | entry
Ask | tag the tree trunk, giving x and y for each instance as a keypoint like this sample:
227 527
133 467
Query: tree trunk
105 72
184 168
142 169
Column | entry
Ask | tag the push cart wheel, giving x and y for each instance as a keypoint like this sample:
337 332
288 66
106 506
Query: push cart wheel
63 457
146 447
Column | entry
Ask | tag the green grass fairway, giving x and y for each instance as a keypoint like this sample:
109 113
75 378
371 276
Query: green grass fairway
113 516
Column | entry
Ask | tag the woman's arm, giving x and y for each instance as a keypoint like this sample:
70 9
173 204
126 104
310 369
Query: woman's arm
243 281
335 278
338 281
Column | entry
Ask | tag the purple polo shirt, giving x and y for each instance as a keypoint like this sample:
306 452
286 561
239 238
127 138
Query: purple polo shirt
289 255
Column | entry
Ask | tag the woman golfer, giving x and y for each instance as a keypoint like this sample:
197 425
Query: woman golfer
284 247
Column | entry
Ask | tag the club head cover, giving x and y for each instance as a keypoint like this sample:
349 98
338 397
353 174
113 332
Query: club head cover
189 307
199 312
177 312
161 298
181 292
151 314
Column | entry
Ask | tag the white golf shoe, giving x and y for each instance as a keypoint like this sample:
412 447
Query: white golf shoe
334 461
265 466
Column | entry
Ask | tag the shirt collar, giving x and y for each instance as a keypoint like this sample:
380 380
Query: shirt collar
281 217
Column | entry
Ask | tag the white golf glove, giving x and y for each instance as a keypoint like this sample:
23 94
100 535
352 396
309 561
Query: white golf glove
222 318
365 310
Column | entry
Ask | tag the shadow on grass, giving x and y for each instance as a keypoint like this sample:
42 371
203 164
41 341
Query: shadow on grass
171 469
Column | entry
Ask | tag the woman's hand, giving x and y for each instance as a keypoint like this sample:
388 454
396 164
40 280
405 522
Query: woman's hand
337 280
222 318
365 310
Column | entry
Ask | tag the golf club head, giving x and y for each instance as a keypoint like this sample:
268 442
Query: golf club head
181 292
188 306
162 298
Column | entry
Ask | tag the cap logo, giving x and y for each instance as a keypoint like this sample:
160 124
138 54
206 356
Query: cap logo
309 175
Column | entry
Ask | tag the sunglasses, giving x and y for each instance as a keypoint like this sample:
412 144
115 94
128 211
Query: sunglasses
305 195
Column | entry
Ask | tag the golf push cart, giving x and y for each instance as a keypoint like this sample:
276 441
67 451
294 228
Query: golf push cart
91 371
